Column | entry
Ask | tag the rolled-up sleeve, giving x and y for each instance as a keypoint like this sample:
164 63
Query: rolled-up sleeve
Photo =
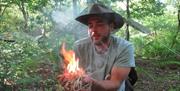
125 57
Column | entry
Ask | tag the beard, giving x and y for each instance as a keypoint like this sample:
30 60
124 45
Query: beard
103 40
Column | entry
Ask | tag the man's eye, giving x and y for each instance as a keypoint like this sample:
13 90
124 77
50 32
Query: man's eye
90 26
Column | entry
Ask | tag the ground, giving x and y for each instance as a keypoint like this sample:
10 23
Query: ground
152 77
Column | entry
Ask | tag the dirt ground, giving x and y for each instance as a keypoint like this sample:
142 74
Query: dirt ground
152 77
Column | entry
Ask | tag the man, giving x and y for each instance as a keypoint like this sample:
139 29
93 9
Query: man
105 58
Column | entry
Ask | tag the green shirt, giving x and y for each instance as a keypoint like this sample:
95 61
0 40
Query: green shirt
120 54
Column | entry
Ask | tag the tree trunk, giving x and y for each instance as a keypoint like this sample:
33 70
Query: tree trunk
3 8
177 32
25 15
75 8
179 20
127 25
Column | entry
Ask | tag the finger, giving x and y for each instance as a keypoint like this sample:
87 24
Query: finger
83 90
86 78
62 79
65 82
108 77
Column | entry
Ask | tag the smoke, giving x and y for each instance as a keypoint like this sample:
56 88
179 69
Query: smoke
65 23
62 17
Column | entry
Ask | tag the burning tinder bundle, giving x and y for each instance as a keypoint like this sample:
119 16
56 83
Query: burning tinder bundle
72 73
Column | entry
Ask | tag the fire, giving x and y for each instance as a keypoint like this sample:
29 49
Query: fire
72 73
72 69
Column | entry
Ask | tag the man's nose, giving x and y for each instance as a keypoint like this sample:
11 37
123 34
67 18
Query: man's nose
94 29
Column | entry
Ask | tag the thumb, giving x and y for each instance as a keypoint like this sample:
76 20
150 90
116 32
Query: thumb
108 77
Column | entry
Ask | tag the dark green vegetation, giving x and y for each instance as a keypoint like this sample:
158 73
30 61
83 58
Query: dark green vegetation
31 33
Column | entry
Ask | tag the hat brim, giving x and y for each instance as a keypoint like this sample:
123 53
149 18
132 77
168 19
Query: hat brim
114 17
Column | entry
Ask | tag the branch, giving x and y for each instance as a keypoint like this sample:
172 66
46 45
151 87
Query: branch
24 12
137 26
7 40
5 5
2 13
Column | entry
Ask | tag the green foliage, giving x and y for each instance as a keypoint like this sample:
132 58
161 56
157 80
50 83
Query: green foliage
35 5
10 20
159 42
24 12
56 38
31 4
165 22
167 62
156 46
145 72
173 89
19 59
27 63
142 8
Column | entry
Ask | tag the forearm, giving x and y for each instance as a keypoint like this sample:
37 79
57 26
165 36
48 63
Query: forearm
118 75
105 85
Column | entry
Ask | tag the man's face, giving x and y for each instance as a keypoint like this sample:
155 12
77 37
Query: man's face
99 30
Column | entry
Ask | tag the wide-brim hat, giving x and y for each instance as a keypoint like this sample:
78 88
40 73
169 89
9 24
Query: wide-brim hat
102 11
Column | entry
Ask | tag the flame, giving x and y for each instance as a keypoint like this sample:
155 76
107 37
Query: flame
71 63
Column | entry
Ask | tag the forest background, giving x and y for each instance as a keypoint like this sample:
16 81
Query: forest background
31 32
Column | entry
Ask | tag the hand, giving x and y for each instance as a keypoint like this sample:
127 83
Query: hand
88 79
87 82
